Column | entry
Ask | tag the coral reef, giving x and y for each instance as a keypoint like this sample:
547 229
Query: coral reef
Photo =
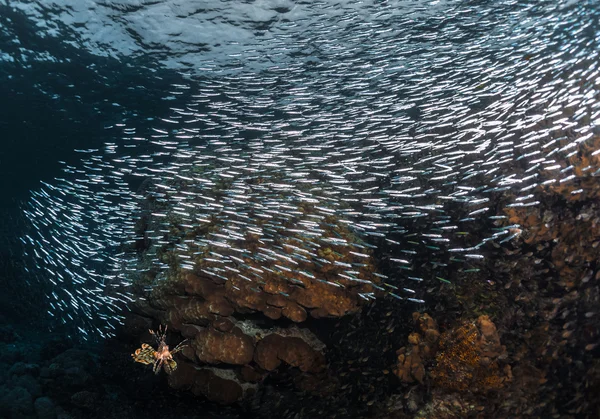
237 291
511 335
463 358
423 347
274 349
540 293
468 358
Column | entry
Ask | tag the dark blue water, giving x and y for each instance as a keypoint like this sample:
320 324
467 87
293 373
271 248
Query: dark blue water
421 119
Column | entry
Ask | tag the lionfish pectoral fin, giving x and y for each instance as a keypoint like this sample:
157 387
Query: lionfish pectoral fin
144 355
170 366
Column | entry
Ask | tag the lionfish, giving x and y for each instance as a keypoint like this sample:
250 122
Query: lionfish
161 356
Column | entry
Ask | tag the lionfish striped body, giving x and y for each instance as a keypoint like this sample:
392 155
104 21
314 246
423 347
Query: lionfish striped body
161 357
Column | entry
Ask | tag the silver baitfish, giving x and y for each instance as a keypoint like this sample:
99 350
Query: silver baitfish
403 126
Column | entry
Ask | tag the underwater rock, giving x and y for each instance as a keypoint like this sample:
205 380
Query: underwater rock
243 354
274 349
29 383
220 387
259 351
87 400
21 368
489 341
410 366
51 371
448 406
11 352
74 377
184 376
465 357
54 345
213 347
468 358
423 346
44 408
17 403
292 274
74 358
67 373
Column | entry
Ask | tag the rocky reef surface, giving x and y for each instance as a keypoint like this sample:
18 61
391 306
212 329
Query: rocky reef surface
515 335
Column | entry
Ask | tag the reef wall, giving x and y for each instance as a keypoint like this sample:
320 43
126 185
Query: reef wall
379 162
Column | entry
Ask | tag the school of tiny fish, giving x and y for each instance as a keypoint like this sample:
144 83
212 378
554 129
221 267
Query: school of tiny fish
408 128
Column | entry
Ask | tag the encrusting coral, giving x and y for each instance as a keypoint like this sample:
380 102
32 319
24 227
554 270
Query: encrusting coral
465 357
